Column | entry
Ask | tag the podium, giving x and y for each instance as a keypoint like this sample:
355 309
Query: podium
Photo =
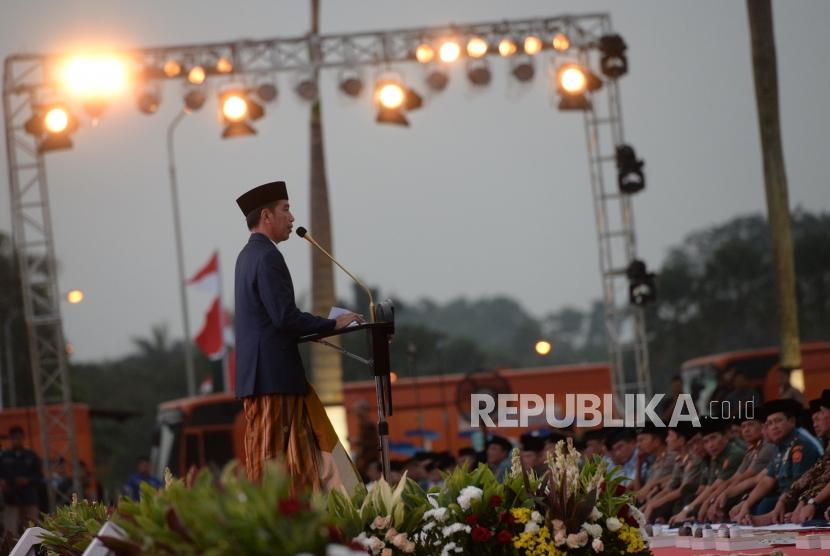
378 337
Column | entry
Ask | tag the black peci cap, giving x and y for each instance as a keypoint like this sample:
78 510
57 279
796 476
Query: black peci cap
262 195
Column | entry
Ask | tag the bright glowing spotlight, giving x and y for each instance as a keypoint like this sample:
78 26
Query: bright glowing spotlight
234 108
449 52
561 42
95 77
507 47
390 95
533 45
75 296
424 53
56 120
197 75
543 347
224 65
172 68
476 47
572 80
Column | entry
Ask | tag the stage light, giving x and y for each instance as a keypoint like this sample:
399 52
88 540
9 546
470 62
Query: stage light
524 71
56 120
449 52
390 95
194 99
306 89
351 86
75 296
389 116
533 45
148 100
267 92
102 76
543 347
561 42
234 108
642 287
437 80
172 68
477 47
51 127
424 53
479 75
237 110
572 80
630 176
413 100
224 65
613 62
196 75
507 47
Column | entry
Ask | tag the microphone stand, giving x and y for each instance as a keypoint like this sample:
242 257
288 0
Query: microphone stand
380 334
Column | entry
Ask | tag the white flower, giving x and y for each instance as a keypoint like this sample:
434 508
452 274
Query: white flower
438 514
638 515
386 552
400 540
613 524
597 545
381 522
559 537
428 526
558 525
593 529
595 514
432 501
531 527
390 534
455 528
467 495
582 538
376 545
572 541
536 516
447 549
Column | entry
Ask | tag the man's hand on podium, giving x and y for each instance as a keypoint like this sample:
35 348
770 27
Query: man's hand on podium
346 319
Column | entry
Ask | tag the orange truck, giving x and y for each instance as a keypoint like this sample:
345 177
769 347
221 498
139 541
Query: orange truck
430 412
26 418
700 375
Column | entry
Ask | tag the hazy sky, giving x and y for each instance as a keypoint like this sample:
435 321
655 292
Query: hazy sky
487 193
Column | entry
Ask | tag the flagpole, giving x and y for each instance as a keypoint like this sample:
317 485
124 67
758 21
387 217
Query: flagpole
188 348
225 370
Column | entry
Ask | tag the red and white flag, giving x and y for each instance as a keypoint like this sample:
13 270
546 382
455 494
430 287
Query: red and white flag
207 279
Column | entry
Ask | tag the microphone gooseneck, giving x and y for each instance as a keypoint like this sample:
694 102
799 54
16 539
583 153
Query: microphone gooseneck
303 233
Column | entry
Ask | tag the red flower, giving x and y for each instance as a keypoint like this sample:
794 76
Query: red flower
495 500
481 534
471 519
289 506
620 490
504 537
507 517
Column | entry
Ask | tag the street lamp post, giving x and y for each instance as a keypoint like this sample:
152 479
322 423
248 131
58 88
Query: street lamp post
174 191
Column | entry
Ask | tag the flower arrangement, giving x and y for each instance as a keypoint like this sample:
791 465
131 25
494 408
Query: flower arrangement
574 508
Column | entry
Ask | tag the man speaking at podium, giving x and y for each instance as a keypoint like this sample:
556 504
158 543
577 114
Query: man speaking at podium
284 417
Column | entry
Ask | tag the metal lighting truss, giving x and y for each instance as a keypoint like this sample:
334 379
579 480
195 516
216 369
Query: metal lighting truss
32 81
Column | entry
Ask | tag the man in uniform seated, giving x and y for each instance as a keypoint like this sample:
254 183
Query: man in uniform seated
758 456
796 454
651 442
724 458
622 451
684 479
810 492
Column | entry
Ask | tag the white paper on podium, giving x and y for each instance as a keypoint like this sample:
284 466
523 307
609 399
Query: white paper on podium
337 311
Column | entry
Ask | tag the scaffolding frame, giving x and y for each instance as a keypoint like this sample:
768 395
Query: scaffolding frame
31 81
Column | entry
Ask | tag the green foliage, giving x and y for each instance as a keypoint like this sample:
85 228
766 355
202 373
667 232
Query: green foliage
224 517
71 528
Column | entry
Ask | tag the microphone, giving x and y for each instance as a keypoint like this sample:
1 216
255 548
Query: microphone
303 233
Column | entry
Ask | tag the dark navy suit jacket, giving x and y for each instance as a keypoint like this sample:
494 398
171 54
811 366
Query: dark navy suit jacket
268 322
